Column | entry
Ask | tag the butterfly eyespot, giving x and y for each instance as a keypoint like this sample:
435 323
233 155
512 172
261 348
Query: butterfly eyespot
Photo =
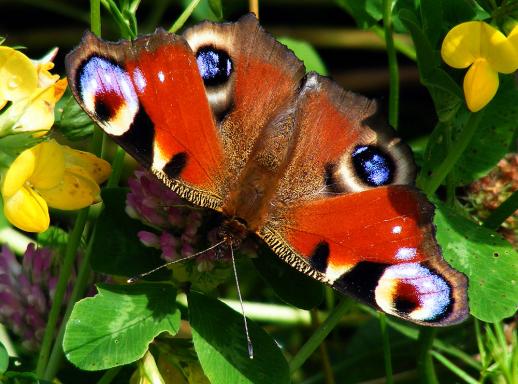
107 93
373 166
215 65
414 291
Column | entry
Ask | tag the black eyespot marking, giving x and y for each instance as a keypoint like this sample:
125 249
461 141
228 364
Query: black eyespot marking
319 257
103 110
176 165
373 166
214 65
361 281
405 305
141 134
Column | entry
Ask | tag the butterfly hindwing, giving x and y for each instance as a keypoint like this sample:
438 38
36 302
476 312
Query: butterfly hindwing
351 218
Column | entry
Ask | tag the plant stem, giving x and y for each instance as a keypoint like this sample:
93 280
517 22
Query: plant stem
502 212
118 17
95 17
386 348
393 65
425 366
457 149
109 375
320 334
64 275
184 16
404 48
117 165
253 6
77 293
452 367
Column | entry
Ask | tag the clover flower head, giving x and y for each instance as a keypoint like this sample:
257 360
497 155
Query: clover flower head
487 52
32 90
50 175
177 221
27 291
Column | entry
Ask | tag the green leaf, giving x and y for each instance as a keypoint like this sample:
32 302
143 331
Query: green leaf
71 120
220 342
117 249
365 12
217 8
116 326
446 93
12 145
290 285
305 52
493 138
4 359
489 262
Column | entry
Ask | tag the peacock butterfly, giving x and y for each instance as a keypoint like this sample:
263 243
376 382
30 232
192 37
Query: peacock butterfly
227 117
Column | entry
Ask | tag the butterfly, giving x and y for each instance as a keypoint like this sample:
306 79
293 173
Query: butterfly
227 118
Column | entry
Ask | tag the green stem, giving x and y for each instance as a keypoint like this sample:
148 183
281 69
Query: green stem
502 212
95 17
119 18
83 276
109 375
425 366
402 47
386 348
320 334
184 16
117 166
64 275
393 65
457 149
455 369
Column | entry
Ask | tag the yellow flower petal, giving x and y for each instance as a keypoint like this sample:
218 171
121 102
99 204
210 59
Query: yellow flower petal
50 165
469 41
98 169
480 85
18 173
77 190
38 113
27 211
18 74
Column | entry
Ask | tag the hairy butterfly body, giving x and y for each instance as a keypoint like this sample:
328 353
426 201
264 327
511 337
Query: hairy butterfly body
227 118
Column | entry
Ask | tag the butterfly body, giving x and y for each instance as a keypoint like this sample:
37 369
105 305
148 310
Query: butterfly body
226 117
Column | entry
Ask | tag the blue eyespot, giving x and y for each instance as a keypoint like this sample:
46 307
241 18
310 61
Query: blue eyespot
214 65
373 166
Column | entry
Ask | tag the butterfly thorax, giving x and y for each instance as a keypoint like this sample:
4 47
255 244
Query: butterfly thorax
234 230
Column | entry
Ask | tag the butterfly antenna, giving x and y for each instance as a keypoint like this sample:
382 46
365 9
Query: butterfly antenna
250 346
133 279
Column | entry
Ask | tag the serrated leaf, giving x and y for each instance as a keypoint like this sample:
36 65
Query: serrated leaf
4 359
116 326
305 52
489 262
220 343
290 285
117 249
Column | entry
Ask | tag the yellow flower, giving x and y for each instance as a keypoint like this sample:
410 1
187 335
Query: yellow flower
31 88
50 175
486 51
